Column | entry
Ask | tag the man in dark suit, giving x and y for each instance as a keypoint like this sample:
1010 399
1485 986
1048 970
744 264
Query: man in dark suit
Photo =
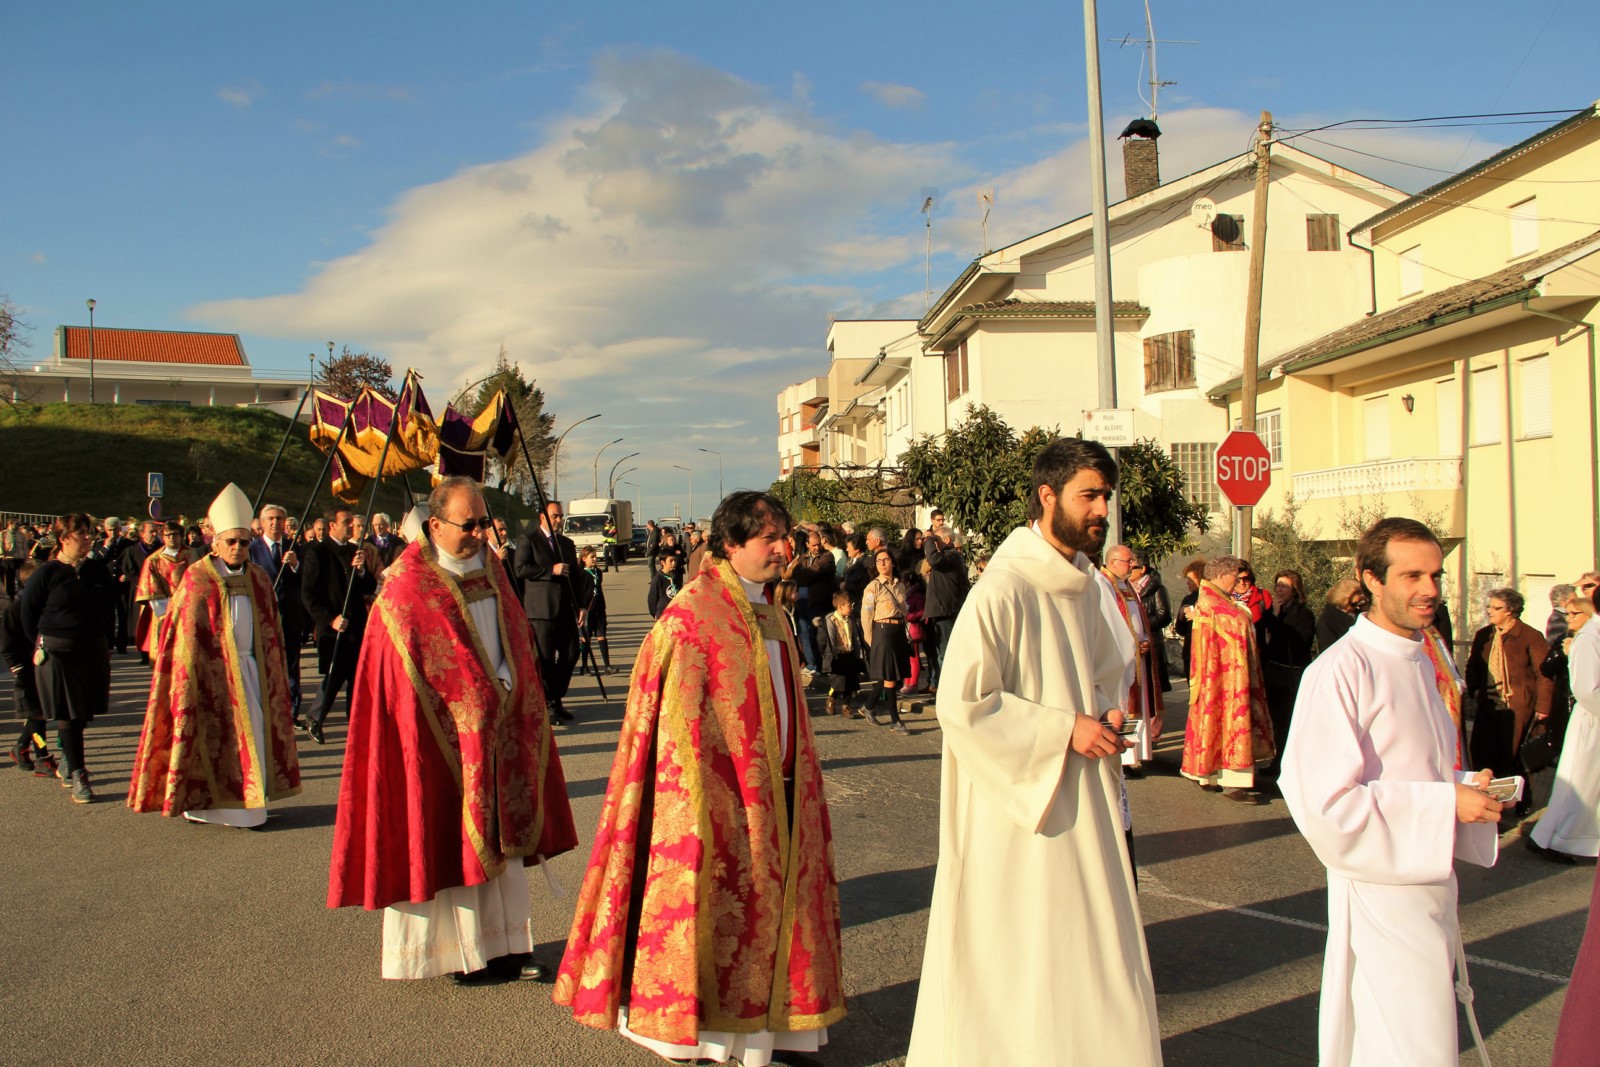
127 566
546 565
337 608
273 551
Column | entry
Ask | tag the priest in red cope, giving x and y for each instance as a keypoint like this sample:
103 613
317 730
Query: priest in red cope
452 782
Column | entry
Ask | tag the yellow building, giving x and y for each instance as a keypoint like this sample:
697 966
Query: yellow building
1468 395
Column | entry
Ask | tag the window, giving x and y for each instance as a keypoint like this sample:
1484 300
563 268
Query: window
1411 270
956 380
1197 462
1375 414
1169 361
1227 233
1269 428
1485 402
1535 392
1322 233
1524 228
1447 403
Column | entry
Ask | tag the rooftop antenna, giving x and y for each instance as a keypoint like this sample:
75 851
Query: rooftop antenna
929 196
1150 41
985 201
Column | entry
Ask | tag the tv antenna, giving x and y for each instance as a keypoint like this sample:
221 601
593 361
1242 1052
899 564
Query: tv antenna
1150 41
986 202
929 197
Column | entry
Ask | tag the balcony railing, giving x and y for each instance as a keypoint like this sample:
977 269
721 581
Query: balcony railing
1416 475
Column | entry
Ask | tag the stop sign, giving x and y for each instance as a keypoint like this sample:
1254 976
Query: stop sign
1244 468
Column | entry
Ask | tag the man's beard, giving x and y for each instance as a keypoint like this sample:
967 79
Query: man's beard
1086 537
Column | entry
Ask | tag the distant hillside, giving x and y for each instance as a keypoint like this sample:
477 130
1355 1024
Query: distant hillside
94 457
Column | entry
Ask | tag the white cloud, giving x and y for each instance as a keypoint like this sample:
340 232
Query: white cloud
669 256
891 95
241 95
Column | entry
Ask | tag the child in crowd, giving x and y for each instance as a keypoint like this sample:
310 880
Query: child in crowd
664 585
839 641
594 620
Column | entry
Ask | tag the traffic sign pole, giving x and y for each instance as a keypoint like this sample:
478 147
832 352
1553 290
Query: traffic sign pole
1243 473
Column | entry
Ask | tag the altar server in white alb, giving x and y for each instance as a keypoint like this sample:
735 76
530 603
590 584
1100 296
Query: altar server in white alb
1369 776
1035 950
1571 824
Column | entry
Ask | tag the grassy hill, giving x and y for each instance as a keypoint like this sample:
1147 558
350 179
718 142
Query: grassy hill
93 457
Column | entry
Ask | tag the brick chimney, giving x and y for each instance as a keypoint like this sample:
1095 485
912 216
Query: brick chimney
1141 169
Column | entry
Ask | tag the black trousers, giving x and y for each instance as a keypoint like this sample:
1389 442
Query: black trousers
340 660
557 641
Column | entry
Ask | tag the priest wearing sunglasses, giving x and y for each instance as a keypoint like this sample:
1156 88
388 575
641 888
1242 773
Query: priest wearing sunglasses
452 782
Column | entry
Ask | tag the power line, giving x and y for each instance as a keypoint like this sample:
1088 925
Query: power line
1382 123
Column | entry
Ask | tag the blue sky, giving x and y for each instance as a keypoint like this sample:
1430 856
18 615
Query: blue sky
654 207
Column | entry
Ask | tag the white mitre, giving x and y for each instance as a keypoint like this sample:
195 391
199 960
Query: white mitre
230 511
414 526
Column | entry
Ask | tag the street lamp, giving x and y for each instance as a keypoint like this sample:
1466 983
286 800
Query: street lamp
638 502
611 479
603 447
714 452
691 488
90 302
555 458
616 479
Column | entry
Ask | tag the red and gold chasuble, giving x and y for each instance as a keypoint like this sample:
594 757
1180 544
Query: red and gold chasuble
1446 680
1228 727
448 775
158 578
708 903
197 751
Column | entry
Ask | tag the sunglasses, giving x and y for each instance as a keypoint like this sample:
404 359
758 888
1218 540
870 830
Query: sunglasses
470 525
233 542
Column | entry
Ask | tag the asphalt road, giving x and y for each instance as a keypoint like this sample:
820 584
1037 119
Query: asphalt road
139 939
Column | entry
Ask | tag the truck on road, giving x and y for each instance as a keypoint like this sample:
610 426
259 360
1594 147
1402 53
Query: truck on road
587 520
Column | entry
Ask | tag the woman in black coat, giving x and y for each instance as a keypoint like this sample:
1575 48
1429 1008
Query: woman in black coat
29 753
67 608
1291 634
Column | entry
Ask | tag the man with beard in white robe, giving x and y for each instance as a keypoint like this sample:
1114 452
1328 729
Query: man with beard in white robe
1369 777
1035 950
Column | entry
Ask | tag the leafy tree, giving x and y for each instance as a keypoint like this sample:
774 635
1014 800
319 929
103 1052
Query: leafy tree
1281 542
528 400
1158 518
349 372
864 496
978 472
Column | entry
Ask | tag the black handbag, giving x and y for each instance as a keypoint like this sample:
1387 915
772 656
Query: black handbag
1541 747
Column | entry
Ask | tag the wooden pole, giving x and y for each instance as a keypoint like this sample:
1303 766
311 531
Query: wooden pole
1244 518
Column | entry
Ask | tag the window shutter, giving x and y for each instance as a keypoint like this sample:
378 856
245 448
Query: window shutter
1486 399
1376 412
1411 270
1322 233
1447 403
1524 228
1537 420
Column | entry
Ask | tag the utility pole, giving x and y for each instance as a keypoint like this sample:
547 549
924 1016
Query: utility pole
1244 518
1104 339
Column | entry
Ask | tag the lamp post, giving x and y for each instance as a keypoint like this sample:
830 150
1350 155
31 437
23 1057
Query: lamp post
616 479
714 452
638 500
555 458
611 479
691 488
311 372
603 447
90 302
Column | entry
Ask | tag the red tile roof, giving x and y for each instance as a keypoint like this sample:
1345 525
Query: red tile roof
154 346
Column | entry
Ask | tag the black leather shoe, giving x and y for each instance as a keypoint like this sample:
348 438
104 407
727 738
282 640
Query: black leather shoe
314 728
480 977
562 714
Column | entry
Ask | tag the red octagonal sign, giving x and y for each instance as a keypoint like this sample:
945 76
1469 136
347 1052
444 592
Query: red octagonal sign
1244 468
